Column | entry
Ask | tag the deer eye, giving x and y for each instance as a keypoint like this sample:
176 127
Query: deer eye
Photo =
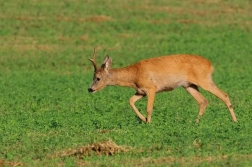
98 79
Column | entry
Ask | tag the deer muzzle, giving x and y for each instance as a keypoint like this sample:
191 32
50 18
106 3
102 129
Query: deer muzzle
90 90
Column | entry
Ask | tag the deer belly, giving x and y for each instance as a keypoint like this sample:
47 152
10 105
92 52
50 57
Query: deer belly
170 84
165 89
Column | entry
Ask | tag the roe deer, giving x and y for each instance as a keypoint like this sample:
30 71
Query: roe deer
159 74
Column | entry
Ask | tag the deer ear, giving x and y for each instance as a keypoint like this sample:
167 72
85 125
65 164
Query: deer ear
106 64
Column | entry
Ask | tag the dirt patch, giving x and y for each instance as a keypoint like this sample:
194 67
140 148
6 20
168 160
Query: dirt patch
206 1
25 43
94 19
220 10
9 163
190 161
41 47
99 18
107 148
29 18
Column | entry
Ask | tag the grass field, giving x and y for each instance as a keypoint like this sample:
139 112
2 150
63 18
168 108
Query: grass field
48 118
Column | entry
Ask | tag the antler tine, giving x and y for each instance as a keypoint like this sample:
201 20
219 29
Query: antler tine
93 60
94 54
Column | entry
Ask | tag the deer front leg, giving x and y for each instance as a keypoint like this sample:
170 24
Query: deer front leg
132 101
150 102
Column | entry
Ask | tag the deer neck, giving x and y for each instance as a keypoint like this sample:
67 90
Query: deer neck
123 76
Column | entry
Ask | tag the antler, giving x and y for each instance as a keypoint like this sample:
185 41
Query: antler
93 60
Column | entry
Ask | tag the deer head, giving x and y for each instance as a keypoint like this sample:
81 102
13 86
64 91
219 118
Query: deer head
101 75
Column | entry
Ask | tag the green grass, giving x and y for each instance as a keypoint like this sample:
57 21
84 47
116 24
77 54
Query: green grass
45 107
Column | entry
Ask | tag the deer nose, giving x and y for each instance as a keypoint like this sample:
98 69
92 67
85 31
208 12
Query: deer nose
90 90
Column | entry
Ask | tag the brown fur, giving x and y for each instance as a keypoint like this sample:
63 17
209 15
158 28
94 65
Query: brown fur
165 73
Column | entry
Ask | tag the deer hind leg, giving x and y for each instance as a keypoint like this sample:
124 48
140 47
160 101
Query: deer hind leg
194 91
212 88
132 101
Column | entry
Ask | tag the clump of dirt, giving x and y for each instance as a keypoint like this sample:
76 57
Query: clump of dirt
107 148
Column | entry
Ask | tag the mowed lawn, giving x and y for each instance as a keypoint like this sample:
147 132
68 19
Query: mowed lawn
48 118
